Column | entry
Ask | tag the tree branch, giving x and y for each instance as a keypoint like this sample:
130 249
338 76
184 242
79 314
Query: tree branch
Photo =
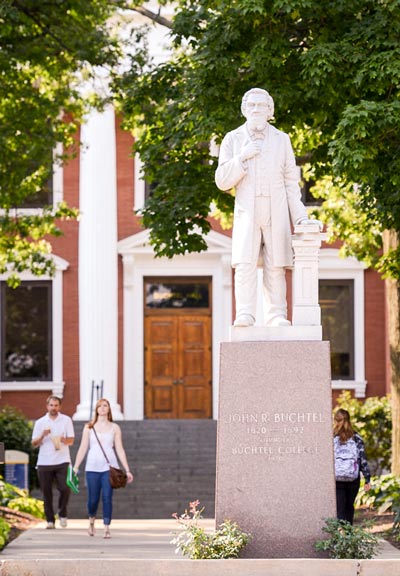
148 13
304 159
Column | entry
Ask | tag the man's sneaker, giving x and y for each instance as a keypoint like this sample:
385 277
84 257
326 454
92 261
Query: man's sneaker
50 526
63 522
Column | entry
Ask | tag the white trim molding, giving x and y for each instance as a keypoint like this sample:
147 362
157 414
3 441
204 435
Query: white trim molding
56 385
58 176
358 387
139 262
140 184
332 267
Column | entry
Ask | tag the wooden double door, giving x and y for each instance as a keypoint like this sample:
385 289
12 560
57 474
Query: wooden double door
178 365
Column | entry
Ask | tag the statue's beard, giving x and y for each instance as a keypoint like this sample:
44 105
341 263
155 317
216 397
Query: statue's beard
257 124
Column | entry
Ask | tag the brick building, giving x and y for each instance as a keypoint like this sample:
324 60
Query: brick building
145 332
148 329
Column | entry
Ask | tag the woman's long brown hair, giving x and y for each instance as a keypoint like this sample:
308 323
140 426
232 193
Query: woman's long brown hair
95 417
342 426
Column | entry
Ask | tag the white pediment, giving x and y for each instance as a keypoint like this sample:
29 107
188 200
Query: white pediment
60 265
139 243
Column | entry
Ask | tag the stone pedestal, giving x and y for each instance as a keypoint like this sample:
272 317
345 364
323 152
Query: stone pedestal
275 470
306 243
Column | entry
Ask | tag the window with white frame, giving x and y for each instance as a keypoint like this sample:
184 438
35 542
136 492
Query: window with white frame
31 336
341 297
44 196
51 194
143 188
336 299
26 335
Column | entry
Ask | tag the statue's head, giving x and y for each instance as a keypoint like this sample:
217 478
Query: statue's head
260 93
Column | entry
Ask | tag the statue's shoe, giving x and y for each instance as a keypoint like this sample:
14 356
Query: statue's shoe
244 320
279 321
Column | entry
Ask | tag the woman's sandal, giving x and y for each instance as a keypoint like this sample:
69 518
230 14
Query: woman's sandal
91 529
107 534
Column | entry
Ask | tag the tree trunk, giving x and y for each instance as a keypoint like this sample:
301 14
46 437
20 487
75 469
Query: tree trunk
391 240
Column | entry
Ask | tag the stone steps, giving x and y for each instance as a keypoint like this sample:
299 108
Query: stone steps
173 462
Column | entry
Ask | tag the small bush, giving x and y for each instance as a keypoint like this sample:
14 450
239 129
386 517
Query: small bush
383 495
4 531
16 433
347 541
17 499
195 543
28 505
14 498
8 492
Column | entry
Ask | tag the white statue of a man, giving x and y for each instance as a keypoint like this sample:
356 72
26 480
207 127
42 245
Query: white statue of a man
257 160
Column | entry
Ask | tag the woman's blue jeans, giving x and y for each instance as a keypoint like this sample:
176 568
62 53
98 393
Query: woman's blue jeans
99 483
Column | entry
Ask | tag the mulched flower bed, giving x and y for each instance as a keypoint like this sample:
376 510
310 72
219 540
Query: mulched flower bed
19 521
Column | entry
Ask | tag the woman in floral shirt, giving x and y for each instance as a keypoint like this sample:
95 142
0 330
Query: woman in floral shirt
347 441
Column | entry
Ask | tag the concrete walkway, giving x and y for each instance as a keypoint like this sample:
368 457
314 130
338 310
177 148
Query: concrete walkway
142 547
129 539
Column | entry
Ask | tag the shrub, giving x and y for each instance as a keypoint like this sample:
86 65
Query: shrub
4 531
347 541
373 420
17 499
195 543
16 433
28 505
13 498
383 495
8 492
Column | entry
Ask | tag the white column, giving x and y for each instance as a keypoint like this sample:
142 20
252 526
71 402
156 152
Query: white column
133 340
98 271
306 244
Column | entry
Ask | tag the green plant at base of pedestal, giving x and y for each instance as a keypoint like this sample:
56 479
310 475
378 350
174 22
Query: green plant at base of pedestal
197 544
347 541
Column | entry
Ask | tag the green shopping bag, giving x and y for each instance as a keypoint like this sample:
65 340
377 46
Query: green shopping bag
72 480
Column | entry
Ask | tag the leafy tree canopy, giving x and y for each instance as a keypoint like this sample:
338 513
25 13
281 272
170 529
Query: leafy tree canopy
333 69
47 49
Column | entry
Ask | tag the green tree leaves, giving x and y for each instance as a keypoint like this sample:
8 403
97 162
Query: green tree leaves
47 48
333 70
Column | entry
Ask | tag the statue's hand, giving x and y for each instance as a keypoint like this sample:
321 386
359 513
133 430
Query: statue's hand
310 221
250 150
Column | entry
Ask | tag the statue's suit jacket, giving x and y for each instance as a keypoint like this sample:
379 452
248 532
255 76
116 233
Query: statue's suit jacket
279 176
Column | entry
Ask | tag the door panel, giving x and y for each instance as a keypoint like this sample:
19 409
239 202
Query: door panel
160 366
195 367
178 366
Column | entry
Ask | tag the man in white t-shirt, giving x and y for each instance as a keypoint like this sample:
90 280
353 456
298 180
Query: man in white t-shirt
53 434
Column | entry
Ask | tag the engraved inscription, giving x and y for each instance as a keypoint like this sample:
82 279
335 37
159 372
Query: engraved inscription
275 435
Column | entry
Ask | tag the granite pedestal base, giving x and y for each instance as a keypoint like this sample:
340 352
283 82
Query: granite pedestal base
275 469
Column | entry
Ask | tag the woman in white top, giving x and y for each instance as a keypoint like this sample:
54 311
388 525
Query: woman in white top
97 468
